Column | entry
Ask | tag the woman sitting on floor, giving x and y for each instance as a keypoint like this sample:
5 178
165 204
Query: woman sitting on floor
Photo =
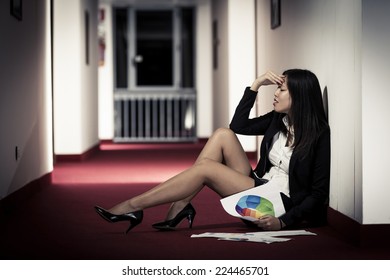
295 153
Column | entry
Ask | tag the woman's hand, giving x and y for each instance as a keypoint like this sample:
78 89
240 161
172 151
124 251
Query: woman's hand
268 222
268 78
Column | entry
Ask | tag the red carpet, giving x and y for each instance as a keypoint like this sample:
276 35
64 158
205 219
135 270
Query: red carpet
59 222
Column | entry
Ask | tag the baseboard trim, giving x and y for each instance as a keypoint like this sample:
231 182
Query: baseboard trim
78 157
12 202
252 156
361 235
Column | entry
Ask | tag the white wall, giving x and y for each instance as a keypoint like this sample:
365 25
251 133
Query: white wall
241 57
375 101
221 72
348 55
75 82
236 60
106 80
25 98
204 74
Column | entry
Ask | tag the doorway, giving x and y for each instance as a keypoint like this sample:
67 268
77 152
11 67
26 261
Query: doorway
154 97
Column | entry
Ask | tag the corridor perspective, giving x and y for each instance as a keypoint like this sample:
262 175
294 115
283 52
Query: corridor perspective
102 100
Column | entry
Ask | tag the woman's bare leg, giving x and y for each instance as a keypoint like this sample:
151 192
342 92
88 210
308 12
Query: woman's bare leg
222 165
224 147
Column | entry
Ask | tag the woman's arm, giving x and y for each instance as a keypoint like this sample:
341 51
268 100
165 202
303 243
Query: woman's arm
241 123
268 78
312 205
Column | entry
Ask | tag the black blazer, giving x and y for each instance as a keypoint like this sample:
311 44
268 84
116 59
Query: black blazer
308 176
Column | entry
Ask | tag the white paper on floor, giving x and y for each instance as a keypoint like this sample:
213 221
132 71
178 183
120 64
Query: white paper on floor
262 236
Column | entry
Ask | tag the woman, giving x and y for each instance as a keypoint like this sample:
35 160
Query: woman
295 153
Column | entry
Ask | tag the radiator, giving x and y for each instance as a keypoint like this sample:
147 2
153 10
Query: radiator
155 117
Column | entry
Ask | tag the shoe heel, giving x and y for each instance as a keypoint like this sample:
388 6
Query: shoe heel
130 227
187 212
190 219
135 219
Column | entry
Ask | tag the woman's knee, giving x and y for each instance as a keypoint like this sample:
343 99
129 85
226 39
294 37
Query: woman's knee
205 163
224 132
205 168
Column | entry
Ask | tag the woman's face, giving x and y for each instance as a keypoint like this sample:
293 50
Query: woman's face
282 99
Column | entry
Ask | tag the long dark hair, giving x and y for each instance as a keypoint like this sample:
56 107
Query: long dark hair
307 115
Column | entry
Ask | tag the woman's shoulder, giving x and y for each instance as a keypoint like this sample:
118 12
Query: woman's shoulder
324 130
323 136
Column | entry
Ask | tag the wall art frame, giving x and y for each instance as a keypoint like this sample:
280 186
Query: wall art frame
275 14
16 9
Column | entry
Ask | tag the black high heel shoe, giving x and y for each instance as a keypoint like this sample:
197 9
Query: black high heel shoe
187 212
135 218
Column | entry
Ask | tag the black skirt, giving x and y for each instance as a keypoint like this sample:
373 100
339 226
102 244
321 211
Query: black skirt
258 181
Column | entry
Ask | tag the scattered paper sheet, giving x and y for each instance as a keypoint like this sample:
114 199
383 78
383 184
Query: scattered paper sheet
263 236
255 202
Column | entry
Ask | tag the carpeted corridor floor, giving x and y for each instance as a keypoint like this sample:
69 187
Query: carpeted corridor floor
59 221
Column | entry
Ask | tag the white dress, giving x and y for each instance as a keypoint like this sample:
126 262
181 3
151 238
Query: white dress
280 156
